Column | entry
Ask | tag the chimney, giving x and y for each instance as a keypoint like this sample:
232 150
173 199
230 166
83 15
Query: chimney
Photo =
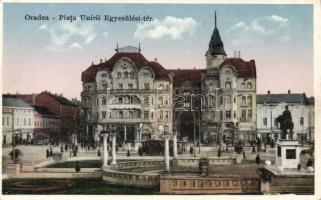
155 59
101 60
269 92
289 91
237 54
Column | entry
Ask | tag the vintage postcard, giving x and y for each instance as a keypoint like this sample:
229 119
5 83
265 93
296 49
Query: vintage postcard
138 98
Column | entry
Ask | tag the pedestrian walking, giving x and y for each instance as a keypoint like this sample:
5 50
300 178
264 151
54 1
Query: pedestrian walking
47 153
253 149
258 159
50 152
191 150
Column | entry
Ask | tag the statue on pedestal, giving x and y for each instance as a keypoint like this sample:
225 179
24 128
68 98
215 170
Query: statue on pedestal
286 123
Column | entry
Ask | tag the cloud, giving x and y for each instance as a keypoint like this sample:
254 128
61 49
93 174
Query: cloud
66 36
258 30
42 27
285 38
105 34
75 46
255 26
170 27
90 38
277 19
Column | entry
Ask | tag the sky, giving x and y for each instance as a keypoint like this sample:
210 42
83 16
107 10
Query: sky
51 54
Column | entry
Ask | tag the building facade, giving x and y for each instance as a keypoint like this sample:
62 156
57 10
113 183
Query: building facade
7 116
144 100
64 109
22 124
47 124
270 106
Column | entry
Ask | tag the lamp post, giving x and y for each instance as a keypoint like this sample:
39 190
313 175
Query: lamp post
13 138
113 135
194 135
105 158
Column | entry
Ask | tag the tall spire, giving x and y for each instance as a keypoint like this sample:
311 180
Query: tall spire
216 46
215 19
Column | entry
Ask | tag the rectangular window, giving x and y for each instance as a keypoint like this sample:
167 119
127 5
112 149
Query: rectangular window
166 114
228 114
120 85
243 114
213 114
276 124
249 113
301 121
130 86
146 86
227 85
290 154
131 114
103 114
145 114
265 121
243 101
161 114
29 122
24 121
2 121
234 114
166 129
152 115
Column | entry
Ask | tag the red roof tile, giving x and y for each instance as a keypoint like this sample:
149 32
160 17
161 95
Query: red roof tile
192 75
244 69
140 61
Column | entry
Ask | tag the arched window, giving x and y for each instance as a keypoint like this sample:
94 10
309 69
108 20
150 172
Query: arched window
249 86
242 85
104 85
103 101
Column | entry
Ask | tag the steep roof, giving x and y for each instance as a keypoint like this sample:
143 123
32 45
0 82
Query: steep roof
62 100
192 75
15 102
278 98
44 111
216 46
140 61
244 69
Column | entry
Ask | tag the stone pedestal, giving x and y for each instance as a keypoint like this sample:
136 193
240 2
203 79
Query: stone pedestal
105 158
287 154
113 162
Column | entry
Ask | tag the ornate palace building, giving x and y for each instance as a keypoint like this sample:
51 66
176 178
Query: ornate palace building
144 100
